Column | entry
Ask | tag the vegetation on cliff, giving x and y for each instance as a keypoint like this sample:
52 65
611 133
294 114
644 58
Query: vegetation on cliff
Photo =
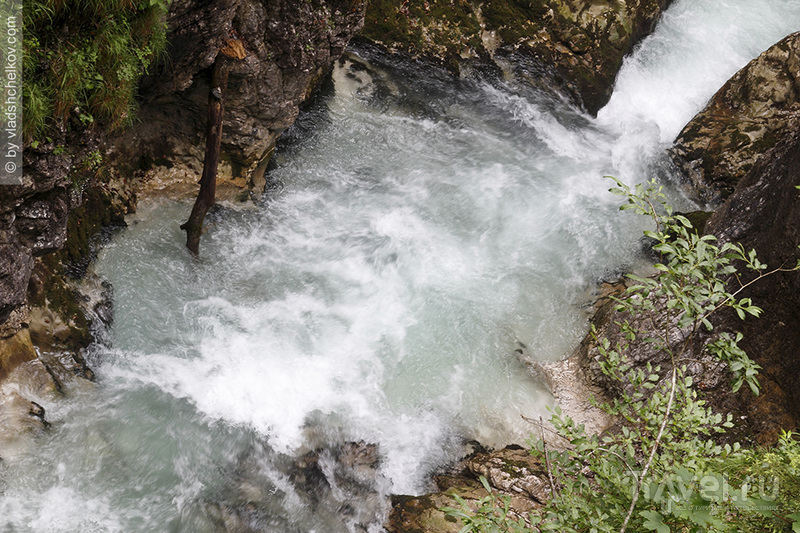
83 59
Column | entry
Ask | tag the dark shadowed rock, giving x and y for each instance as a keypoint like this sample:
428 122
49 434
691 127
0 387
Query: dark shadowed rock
764 214
744 119
33 218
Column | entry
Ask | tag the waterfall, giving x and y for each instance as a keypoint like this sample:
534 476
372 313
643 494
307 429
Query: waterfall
418 229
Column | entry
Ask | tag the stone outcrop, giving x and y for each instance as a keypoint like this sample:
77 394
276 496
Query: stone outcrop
574 47
744 119
764 214
290 46
511 472
33 221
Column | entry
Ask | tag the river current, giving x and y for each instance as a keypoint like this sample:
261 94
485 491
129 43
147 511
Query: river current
416 231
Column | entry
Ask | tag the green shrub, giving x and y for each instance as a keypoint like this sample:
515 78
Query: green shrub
662 469
89 55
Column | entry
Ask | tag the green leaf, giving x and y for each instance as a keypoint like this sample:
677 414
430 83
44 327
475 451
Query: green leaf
654 521
795 518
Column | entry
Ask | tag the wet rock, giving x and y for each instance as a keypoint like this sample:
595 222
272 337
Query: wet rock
573 392
290 47
19 423
744 119
763 214
42 222
510 472
340 487
15 350
574 47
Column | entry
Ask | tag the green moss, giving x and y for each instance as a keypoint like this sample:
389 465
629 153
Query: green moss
437 28
52 291
83 225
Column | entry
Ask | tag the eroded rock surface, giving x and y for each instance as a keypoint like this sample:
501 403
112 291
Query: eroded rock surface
510 472
572 46
764 214
744 119
289 47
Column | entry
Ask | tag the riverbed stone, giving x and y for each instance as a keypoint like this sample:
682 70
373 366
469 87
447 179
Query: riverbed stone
339 483
744 119
511 472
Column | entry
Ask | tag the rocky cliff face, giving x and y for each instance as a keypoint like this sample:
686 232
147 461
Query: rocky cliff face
745 146
45 223
289 47
48 224
574 47
33 221
764 214
744 119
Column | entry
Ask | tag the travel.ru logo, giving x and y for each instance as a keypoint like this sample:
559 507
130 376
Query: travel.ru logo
696 492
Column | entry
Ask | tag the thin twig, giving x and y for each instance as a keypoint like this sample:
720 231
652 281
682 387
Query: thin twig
535 422
653 451
547 459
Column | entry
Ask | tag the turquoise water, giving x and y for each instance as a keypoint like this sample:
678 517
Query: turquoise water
418 233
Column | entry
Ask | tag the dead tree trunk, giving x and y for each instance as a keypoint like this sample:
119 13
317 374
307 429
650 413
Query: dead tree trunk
208 182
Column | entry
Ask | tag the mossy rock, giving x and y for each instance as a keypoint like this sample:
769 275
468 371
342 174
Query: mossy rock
14 351
576 47
424 514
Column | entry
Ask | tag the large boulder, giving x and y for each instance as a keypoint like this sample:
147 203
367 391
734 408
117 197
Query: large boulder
745 118
289 47
764 214
572 46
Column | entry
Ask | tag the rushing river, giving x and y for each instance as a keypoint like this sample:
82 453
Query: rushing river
418 229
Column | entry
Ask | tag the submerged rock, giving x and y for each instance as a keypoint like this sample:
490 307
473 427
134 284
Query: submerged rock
574 47
336 488
744 119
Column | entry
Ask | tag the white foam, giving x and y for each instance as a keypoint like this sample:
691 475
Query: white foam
380 294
